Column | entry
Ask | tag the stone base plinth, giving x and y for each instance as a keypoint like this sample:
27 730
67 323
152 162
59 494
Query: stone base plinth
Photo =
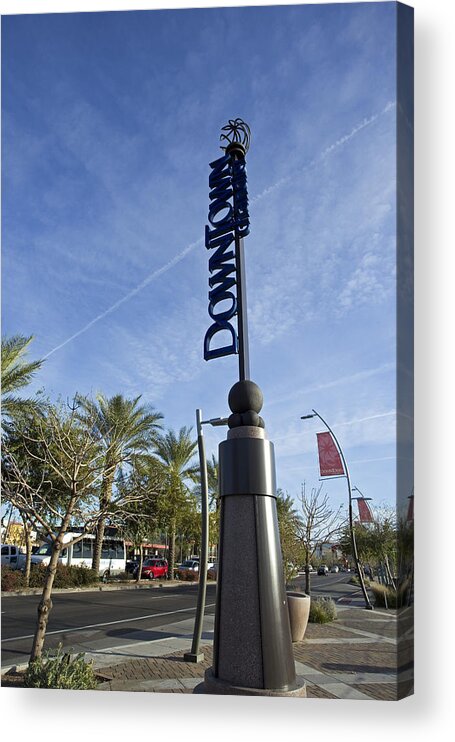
193 657
215 686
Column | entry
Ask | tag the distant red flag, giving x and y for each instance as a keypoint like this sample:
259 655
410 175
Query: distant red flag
411 509
365 513
329 459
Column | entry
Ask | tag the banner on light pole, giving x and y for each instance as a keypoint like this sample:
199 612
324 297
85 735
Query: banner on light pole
365 514
330 464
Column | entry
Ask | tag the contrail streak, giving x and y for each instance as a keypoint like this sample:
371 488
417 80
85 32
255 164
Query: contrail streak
181 255
327 151
371 417
129 295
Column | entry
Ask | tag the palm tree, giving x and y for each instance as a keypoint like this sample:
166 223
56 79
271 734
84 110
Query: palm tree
175 453
125 429
212 481
16 374
213 498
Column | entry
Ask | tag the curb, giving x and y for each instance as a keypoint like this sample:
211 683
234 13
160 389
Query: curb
100 588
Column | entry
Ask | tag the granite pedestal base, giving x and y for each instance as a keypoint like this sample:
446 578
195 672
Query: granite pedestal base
215 686
252 651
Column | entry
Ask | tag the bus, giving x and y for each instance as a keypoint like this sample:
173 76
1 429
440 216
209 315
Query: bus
80 554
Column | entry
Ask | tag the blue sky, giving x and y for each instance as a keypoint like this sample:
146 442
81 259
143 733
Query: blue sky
109 123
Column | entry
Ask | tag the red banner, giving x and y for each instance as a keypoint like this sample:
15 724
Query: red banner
329 459
365 513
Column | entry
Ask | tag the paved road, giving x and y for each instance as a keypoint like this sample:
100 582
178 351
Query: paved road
335 586
88 620
85 621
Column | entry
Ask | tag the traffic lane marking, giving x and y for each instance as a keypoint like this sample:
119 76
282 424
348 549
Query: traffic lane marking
58 607
107 623
331 580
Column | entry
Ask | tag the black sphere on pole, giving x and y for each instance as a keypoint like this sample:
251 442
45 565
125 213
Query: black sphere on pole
245 395
245 401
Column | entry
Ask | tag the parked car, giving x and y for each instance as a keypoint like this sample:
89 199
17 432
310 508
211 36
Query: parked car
12 556
302 569
334 569
152 568
212 572
131 566
323 570
366 571
188 565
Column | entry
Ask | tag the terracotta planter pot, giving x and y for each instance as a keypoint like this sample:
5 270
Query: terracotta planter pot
299 611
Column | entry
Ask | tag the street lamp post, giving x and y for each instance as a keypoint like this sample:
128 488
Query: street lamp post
362 496
368 605
195 655
363 511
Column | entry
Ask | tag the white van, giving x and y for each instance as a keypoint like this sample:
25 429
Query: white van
12 556
80 554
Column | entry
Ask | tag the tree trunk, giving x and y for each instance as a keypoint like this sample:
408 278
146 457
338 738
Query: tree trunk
106 495
98 544
45 605
141 561
389 573
170 573
28 548
28 553
307 577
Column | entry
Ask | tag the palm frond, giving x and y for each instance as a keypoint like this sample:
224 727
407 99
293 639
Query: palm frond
15 371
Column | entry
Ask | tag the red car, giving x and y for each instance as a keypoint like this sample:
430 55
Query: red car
152 568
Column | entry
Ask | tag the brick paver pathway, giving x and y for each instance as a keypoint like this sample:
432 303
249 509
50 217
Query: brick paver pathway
354 657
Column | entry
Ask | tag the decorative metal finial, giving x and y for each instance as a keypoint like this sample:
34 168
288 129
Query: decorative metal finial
237 132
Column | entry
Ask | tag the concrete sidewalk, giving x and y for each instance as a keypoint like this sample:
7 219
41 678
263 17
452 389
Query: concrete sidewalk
354 657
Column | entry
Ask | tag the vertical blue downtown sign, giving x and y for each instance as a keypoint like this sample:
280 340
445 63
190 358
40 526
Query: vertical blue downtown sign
228 224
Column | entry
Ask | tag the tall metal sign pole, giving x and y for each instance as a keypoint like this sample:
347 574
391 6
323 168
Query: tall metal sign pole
237 150
252 642
228 225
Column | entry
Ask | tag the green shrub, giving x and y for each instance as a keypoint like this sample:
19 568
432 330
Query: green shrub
188 575
322 610
37 575
12 579
389 597
75 576
65 577
60 670
354 580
